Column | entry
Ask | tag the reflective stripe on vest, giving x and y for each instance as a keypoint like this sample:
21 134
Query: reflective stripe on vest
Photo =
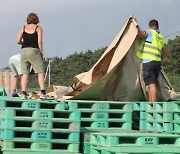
151 51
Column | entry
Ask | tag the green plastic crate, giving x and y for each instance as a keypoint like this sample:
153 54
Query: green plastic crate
94 115
135 139
106 124
48 114
27 135
106 116
93 105
99 105
57 125
17 102
28 113
30 105
31 135
134 150
25 146
32 124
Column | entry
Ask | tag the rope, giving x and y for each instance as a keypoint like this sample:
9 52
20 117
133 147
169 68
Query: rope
172 34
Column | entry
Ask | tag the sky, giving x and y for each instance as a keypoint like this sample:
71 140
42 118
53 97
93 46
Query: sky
79 25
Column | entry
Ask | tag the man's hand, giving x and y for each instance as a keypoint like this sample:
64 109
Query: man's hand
142 33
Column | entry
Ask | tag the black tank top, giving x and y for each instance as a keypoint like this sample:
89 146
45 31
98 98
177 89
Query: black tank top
30 40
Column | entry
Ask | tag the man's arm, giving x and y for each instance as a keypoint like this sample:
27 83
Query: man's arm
142 33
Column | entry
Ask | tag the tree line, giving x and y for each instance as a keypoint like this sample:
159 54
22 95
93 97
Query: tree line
63 70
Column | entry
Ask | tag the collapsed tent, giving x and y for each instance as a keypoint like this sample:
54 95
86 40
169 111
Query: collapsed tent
117 75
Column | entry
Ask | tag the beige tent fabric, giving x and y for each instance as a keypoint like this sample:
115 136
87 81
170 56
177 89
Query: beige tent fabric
117 75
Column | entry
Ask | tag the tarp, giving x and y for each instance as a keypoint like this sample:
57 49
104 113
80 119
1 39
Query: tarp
117 75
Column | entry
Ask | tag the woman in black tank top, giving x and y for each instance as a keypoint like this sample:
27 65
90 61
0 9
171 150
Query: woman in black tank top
30 40
30 37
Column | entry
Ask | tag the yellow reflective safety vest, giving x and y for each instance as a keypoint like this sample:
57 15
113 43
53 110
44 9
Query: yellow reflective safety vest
151 50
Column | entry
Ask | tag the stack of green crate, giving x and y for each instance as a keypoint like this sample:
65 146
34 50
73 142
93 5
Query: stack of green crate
101 116
117 120
88 127
162 117
159 117
28 126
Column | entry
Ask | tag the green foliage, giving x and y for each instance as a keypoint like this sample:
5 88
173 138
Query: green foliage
171 64
174 80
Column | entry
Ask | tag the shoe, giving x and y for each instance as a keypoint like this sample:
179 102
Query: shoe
24 96
45 96
15 95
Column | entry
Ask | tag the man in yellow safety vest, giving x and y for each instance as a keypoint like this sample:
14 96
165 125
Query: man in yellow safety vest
151 50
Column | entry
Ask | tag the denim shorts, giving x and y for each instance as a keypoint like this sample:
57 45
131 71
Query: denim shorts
151 72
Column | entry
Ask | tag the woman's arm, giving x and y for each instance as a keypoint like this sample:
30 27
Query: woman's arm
40 41
19 36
